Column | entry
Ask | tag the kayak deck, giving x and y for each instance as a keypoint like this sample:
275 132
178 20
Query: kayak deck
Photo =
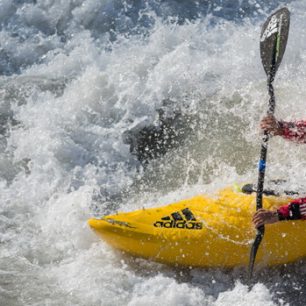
203 232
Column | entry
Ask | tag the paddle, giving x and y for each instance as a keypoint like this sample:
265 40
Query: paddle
249 189
273 40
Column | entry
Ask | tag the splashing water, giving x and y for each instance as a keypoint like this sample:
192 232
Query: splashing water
75 76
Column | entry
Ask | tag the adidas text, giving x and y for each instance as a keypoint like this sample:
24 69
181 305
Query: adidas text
179 224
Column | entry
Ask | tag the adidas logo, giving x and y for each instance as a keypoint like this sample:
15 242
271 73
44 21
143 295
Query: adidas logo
183 219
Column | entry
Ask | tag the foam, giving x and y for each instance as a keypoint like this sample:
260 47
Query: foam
75 76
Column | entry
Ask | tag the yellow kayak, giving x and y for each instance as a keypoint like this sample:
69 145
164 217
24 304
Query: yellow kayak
204 232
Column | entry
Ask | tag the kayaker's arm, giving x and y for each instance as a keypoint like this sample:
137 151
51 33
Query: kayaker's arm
295 210
295 131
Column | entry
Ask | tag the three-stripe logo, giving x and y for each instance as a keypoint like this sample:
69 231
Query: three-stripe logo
183 219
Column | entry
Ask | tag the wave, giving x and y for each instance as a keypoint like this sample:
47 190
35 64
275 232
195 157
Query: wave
76 78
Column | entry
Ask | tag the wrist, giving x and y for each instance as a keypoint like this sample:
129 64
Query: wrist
275 216
280 128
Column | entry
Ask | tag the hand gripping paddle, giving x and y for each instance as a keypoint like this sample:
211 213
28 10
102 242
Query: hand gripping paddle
273 40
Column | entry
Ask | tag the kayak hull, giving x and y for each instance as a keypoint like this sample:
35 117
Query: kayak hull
203 232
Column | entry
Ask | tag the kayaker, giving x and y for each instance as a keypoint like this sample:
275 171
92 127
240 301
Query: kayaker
294 131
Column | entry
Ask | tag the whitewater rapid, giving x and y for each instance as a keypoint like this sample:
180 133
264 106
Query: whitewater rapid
74 77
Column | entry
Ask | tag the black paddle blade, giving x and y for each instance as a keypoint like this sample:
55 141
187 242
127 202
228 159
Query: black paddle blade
273 40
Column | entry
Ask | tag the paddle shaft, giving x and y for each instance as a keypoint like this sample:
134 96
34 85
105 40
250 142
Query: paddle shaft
261 173
264 146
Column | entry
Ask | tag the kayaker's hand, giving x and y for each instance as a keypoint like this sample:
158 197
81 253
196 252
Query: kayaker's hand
263 216
271 125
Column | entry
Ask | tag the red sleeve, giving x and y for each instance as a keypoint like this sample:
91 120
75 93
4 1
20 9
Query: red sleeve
293 211
295 131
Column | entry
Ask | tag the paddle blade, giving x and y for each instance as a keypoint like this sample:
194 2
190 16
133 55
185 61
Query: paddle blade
273 40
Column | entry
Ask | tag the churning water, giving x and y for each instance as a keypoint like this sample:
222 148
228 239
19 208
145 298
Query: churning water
76 75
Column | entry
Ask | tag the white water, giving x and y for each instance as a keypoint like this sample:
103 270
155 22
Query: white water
66 97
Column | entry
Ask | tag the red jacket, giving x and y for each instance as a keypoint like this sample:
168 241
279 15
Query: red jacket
295 131
293 211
